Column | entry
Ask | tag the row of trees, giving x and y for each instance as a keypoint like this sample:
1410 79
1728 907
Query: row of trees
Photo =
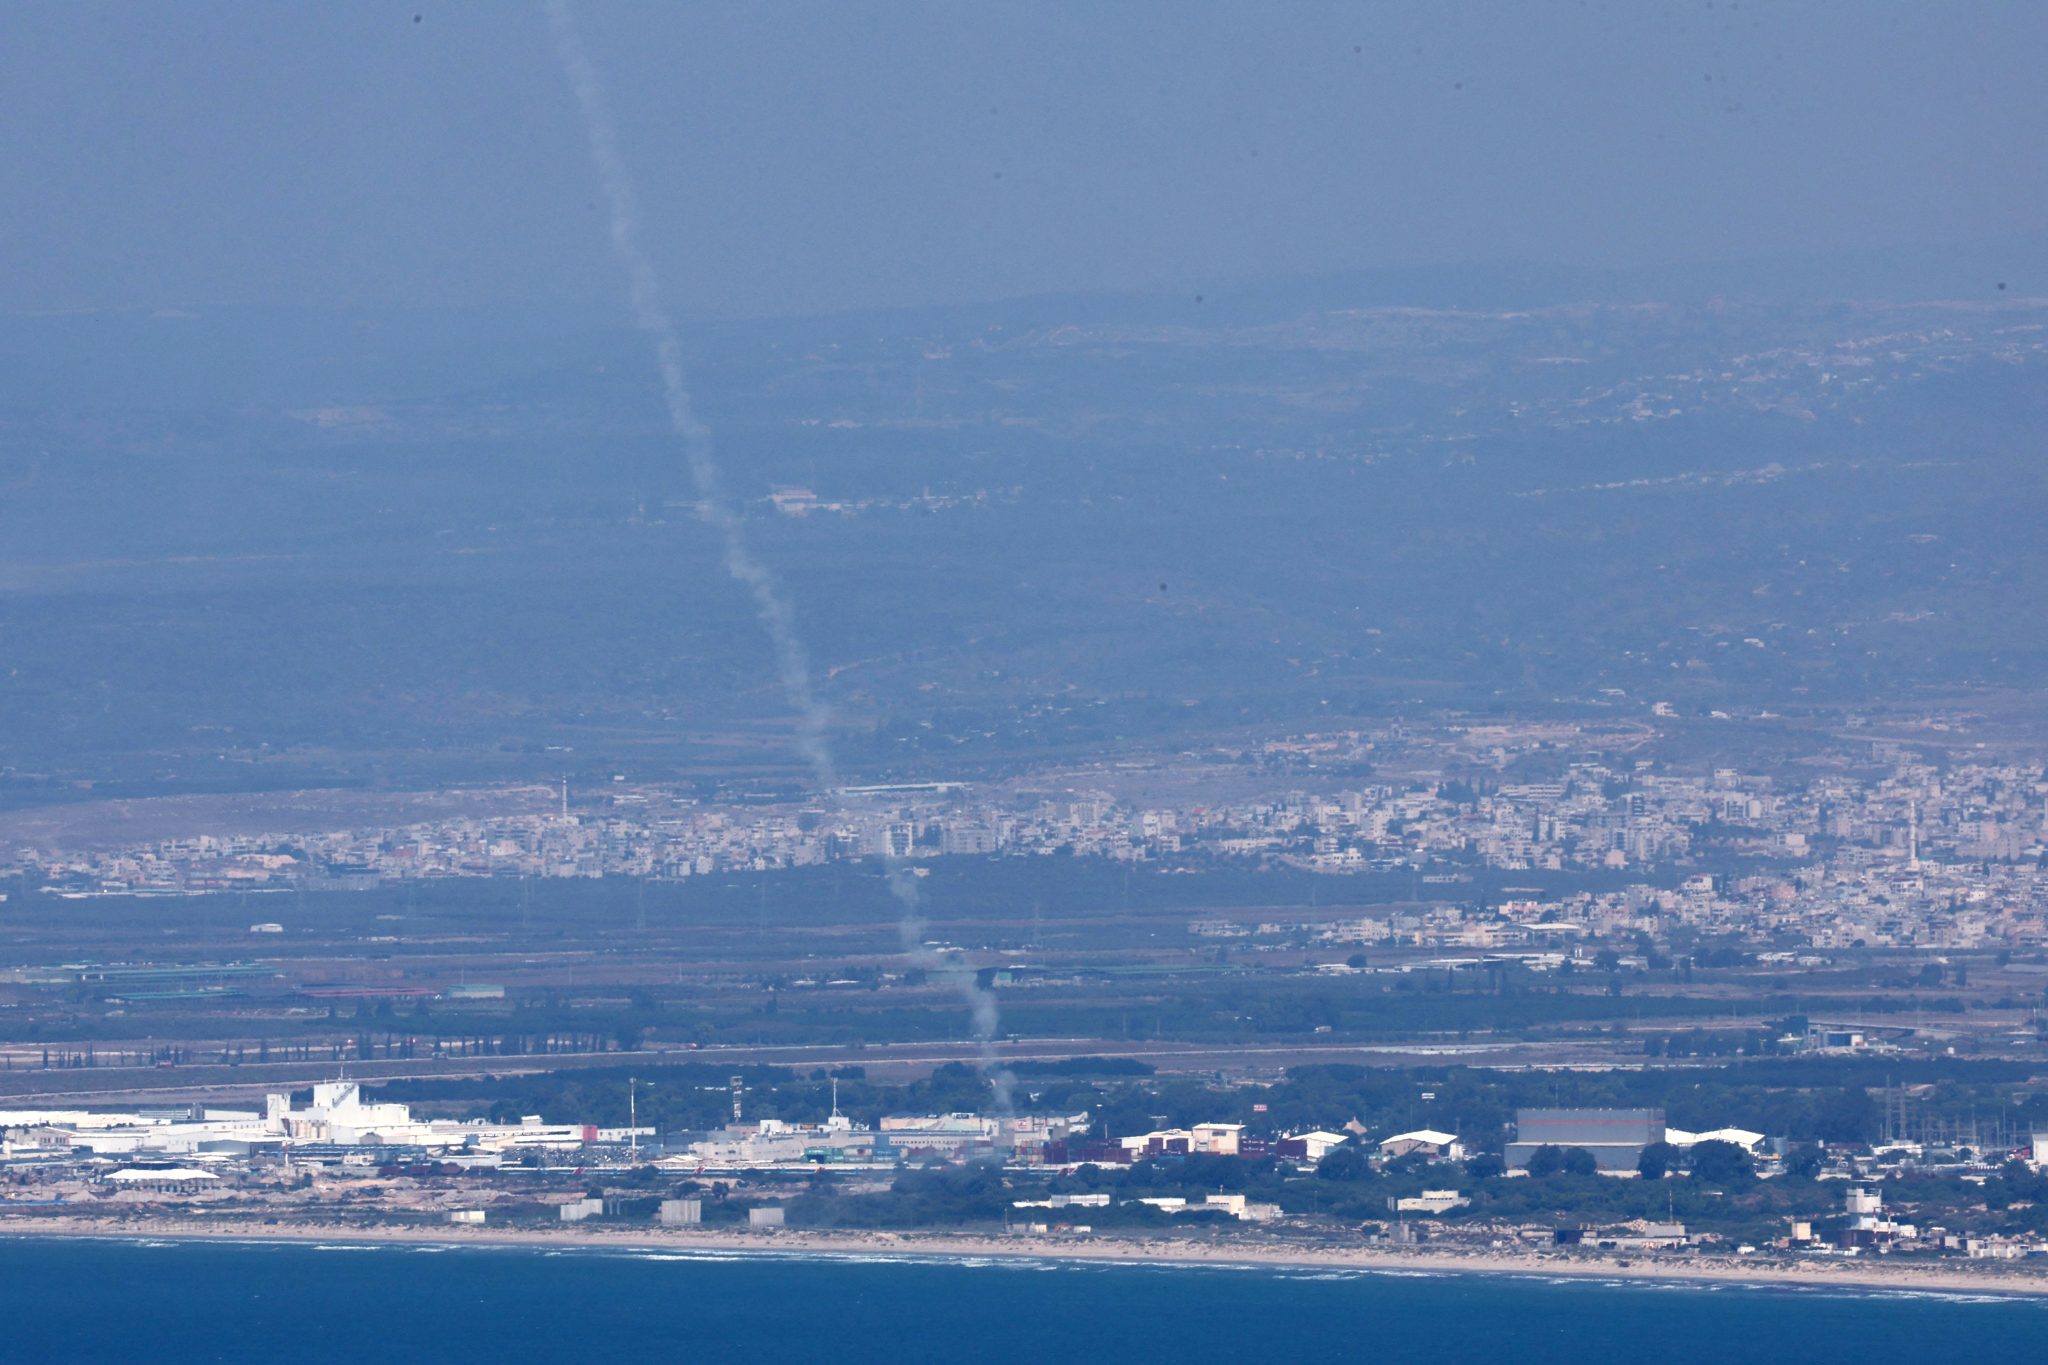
1713 1163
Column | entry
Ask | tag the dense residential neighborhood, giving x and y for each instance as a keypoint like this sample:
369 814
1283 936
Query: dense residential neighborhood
1893 853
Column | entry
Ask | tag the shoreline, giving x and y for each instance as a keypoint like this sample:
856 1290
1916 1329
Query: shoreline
1865 1275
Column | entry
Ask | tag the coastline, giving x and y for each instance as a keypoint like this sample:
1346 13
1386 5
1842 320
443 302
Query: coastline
1862 1275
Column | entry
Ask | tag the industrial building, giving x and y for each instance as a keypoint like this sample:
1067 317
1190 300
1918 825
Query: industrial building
1615 1138
337 1118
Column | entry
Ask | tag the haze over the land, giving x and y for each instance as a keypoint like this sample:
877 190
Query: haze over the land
1089 379
1227 621
799 158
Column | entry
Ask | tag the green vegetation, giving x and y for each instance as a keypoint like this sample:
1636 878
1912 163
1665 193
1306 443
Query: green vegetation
1806 1101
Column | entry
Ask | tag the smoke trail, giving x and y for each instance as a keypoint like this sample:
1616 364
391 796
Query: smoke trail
981 1002
792 663
653 318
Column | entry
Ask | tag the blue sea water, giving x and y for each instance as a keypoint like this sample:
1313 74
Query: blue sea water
66 1300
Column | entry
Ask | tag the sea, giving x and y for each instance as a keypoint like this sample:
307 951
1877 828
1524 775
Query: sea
149 1301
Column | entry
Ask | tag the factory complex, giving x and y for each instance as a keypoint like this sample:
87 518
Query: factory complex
337 1118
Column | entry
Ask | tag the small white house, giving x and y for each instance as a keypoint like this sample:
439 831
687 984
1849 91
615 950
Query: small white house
1318 1144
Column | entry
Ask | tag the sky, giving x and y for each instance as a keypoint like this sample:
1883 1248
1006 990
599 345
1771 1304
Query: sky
802 158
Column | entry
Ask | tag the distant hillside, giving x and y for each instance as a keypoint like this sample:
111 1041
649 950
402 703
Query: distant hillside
248 548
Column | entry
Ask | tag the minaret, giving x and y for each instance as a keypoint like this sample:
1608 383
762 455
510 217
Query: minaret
1913 836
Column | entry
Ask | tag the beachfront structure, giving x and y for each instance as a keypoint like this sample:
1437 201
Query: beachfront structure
1432 1202
337 1116
1869 1225
163 1180
1064 1201
576 1210
1235 1205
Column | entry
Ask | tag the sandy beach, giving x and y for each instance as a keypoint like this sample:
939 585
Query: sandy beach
1810 1273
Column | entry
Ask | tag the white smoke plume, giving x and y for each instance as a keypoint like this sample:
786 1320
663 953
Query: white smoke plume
792 663
653 317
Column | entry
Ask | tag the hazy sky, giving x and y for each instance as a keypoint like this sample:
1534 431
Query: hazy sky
794 157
